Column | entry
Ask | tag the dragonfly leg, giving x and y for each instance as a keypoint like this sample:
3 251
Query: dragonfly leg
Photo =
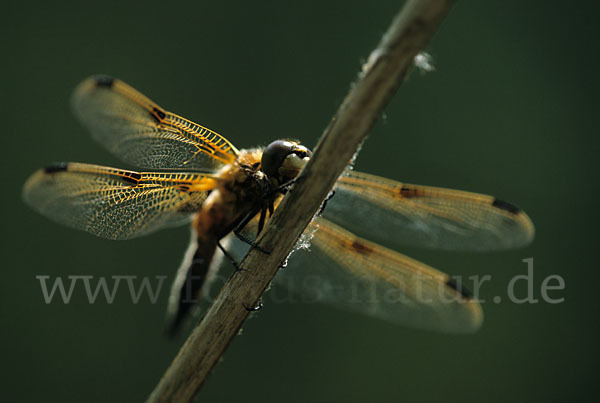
237 231
229 257
261 221
286 186
249 241
254 308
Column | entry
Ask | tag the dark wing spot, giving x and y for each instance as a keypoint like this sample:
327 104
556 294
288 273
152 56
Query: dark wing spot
462 290
104 81
128 179
135 175
408 192
361 248
511 208
157 113
58 167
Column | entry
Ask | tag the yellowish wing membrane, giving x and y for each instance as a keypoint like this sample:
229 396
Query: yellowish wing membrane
115 203
144 134
398 214
344 270
353 273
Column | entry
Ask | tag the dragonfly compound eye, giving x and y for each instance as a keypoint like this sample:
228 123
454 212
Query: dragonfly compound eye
283 159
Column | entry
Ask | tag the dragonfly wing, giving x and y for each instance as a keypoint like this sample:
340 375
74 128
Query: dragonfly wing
398 214
331 265
114 203
140 132
349 272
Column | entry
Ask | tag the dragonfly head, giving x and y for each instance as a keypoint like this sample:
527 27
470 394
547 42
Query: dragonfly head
282 160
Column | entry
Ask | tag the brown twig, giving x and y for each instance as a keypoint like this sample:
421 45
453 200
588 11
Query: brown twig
383 73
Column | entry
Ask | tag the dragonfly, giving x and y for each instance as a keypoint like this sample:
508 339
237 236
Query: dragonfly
191 174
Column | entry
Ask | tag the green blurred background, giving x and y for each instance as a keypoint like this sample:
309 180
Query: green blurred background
509 112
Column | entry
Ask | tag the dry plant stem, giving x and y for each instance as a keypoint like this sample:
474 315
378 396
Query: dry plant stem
382 74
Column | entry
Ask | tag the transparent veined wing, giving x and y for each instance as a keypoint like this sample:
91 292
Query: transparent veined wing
140 132
352 273
397 214
333 266
115 203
